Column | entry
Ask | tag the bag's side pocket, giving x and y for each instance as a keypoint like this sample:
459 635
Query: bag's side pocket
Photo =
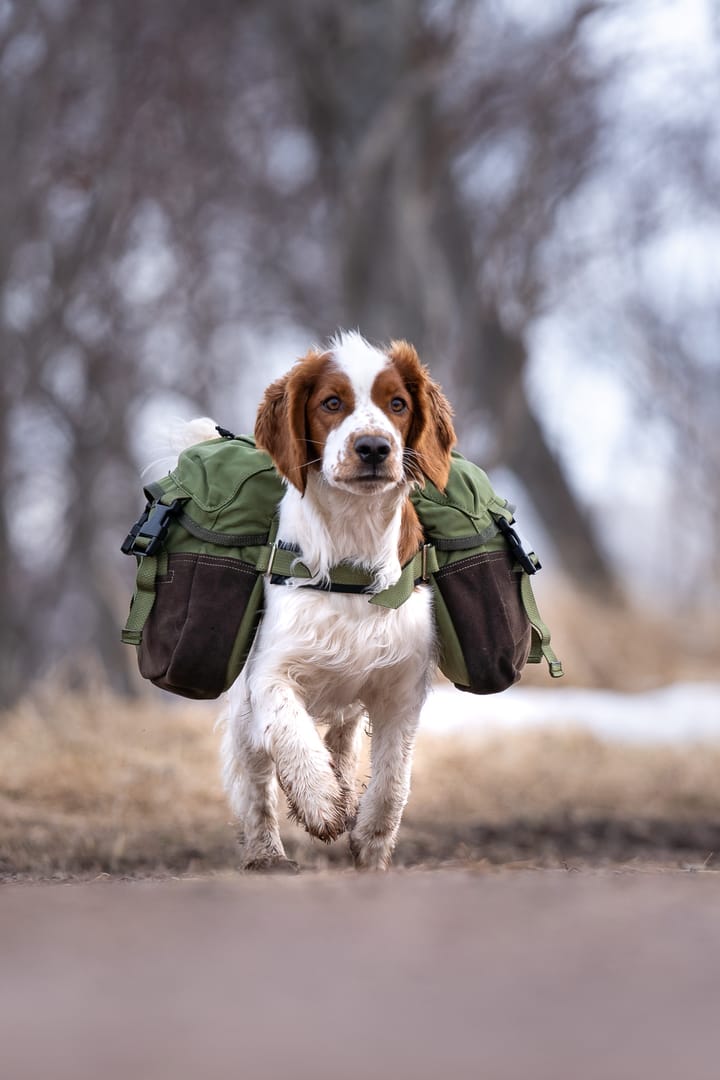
192 628
482 595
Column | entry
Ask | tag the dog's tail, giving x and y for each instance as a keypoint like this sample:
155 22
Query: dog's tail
191 432
175 437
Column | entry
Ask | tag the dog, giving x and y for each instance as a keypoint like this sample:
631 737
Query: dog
351 428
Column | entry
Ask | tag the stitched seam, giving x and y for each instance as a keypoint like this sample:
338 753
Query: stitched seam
463 564
213 560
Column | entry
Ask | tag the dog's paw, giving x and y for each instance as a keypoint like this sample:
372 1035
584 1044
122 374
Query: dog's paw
270 864
371 853
326 821
349 803
324 816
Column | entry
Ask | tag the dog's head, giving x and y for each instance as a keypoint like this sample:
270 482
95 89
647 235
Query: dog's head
366 419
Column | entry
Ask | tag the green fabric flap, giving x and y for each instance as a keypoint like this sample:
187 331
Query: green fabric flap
215 472
467 508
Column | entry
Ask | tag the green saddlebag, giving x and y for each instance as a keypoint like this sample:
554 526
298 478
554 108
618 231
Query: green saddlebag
198 593
488 623
207 538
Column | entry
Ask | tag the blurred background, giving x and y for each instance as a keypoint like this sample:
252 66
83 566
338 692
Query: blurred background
194 193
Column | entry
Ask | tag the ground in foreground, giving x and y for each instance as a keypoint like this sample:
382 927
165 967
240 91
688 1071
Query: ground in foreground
412 975
92 786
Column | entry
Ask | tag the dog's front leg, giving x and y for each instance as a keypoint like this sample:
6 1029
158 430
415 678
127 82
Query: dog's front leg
373 837
303 763
249 775
342 741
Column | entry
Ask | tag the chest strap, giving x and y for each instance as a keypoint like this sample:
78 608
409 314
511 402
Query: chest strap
280 563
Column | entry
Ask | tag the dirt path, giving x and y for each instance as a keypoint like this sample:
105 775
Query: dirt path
411 975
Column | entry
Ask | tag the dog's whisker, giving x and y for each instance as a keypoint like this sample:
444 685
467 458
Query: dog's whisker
314 461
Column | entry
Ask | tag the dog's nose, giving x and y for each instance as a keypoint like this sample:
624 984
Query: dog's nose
372 449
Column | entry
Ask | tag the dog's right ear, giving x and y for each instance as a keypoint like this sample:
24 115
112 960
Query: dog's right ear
432 435
275 432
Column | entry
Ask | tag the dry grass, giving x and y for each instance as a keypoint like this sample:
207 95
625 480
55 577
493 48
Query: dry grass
91 785
609 646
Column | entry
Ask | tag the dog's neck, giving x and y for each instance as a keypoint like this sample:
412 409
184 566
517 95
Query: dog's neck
378 531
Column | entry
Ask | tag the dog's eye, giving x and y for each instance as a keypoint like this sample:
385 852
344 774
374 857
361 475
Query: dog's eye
332 404
398 405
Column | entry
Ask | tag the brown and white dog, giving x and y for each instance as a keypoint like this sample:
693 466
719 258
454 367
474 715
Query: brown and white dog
351 429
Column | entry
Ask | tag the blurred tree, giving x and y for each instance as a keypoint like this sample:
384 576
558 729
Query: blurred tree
403 110
178 175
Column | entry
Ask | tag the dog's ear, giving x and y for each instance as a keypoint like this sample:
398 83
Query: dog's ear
432 435
438 436
281 424
275 431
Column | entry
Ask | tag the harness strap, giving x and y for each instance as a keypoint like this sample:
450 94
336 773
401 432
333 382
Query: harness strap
414 573
282 563
142 601
155 491
540 648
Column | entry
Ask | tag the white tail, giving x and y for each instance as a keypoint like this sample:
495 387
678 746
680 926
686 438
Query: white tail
190 432
177 436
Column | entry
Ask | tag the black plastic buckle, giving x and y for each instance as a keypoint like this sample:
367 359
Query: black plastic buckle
152 525
127 545
528 560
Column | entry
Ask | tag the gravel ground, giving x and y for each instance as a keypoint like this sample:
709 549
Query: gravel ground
529 975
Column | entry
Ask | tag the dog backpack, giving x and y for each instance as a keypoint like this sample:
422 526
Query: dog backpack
207 539
488 622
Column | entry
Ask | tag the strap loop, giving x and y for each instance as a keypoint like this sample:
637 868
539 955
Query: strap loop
541 648
142 601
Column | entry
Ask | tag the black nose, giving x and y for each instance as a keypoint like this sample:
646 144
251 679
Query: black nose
372 449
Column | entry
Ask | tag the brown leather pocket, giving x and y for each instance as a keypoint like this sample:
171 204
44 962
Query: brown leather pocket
482 595
191 630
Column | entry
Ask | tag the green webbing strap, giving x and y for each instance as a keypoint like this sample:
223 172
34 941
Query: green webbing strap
541 647
285 563
155 491
142 601
418 569
281 561
212 536
465 543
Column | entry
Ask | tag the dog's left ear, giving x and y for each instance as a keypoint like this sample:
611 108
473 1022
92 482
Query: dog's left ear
281 424
275 431
432 435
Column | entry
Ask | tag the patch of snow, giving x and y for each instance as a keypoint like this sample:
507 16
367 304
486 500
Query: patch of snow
676 713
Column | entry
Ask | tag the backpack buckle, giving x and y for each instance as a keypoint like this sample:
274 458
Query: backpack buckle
527 559
127 545
149 531
271 560
424 563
